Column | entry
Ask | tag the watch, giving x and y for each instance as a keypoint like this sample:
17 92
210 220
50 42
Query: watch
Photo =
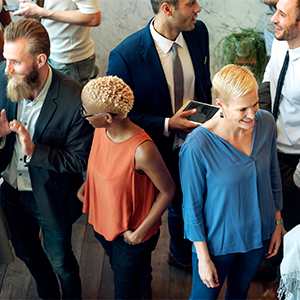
279 222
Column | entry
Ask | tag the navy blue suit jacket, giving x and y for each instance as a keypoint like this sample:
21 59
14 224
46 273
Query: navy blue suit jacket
136 61
62 144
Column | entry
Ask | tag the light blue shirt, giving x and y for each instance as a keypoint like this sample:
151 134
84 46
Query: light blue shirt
230 199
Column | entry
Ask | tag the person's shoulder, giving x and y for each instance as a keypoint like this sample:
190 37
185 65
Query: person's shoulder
199 136
199 33
65 84
200 25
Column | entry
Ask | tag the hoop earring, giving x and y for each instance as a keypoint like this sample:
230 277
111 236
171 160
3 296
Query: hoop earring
221 115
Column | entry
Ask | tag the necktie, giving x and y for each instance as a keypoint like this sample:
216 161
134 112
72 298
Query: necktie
178 78
280 84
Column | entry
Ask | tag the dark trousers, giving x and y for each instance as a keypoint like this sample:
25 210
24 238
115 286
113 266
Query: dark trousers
25 221
291 194
239 268
180 248
291 202
129 263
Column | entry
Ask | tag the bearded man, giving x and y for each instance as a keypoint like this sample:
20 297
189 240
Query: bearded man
44 148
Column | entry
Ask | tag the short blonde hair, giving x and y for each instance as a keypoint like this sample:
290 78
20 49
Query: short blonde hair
108 94
232 82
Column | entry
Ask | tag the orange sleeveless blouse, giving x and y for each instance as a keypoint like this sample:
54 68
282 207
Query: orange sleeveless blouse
117 197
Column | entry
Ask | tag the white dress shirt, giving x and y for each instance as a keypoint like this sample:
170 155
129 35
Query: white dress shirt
164 50
288 121
17 173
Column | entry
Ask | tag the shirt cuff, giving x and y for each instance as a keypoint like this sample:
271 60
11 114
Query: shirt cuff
166 127
296 176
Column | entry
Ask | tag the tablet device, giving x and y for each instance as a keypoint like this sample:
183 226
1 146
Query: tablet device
10 8
204 111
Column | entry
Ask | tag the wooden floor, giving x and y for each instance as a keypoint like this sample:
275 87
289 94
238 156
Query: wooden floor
96 275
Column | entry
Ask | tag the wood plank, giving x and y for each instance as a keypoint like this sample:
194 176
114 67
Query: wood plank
107 281
78 234
161 268
32 291
16 281
2 274
91 269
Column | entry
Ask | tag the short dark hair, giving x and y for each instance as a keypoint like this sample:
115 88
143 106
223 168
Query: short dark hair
156 4
33 31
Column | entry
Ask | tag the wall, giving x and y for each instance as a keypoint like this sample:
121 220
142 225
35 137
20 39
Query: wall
121 18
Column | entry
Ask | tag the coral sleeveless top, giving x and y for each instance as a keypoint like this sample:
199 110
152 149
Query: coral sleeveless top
117 197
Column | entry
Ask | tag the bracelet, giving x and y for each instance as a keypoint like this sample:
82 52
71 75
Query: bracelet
279 222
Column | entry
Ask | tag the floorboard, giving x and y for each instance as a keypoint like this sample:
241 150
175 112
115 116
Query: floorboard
96 274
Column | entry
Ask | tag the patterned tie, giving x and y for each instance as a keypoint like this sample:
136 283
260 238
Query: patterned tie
178 78
280 84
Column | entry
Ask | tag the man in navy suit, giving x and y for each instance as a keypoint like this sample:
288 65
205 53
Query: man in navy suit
44 148
144 62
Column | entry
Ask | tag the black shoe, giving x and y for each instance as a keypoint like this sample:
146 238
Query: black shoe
175 263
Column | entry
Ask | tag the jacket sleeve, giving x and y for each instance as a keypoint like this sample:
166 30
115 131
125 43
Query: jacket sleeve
152 123
264 96
71 157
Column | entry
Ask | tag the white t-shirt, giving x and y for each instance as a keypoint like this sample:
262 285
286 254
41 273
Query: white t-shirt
70 43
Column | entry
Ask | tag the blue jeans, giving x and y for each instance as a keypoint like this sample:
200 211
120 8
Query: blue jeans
129 263
25 221
80 71
239 268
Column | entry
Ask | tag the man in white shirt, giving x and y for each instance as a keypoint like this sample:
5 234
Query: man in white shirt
287 38
69 24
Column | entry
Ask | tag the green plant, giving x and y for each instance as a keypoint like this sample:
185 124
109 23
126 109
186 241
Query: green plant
243 46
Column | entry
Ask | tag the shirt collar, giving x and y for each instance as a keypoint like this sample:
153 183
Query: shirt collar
294 54
163 43
43 93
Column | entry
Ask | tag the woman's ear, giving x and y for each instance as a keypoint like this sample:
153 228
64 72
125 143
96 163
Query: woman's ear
109 118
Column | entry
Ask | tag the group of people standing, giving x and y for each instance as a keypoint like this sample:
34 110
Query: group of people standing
224 216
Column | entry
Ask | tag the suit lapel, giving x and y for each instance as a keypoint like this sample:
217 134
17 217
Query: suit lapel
195 54
48 108
151 58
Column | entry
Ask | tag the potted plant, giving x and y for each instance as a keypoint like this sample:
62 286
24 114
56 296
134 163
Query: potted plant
243 47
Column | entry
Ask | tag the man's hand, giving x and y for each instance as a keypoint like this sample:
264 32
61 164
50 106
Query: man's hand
29 10
179 122
4 124
24 137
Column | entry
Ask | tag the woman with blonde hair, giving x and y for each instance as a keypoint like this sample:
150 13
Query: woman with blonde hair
127 188
231 189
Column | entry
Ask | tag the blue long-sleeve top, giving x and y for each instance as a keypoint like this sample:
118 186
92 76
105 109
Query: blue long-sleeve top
230 199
